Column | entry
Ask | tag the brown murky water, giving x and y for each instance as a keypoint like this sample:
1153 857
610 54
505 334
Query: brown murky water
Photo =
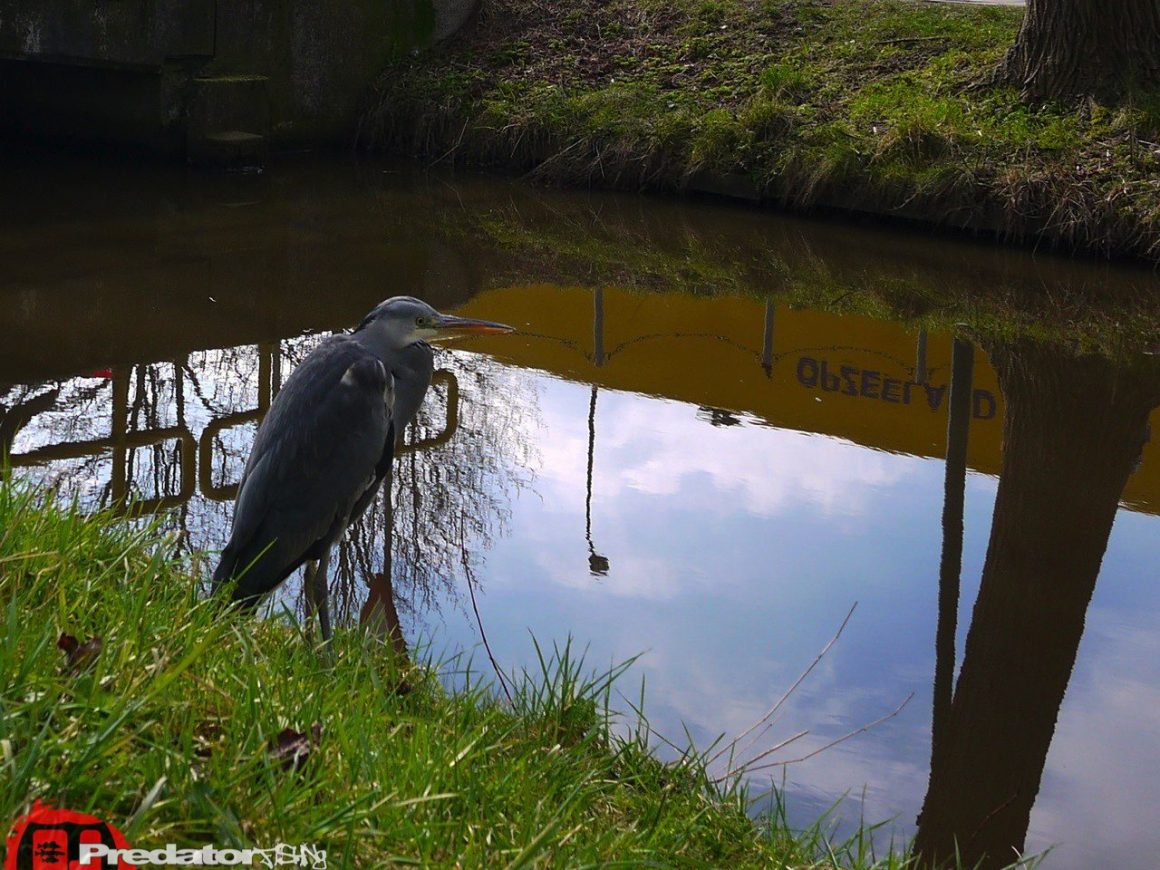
692 469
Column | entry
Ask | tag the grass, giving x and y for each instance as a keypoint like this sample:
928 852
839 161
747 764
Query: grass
868 105
167 732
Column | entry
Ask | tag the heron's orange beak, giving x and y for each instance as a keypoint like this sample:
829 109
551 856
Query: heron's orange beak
467 325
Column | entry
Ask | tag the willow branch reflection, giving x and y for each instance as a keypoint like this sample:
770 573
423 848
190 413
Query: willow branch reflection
450 497
1073 431
149 437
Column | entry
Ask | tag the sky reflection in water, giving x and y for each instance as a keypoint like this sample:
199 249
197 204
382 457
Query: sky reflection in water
736 551
741 514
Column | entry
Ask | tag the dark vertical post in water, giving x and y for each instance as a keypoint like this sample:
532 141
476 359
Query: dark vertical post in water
120 421
179 401
265 376
950 565
598 326
179 388
767 339
597 564
920 372
591 459
276 368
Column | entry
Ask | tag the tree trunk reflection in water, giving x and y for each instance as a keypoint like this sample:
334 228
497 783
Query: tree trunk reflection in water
951 562
1073 431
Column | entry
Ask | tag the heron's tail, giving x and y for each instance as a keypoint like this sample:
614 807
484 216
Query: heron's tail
224 572
223 580
256 572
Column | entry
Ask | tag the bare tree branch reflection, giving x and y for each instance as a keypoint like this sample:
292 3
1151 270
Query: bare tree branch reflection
451 500
128 440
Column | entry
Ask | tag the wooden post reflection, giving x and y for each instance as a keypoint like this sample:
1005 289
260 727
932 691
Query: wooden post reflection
118 431
950 565
920 372
767 340
598 326
597 564
266 353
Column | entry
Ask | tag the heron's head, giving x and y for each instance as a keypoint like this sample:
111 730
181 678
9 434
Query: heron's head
400 321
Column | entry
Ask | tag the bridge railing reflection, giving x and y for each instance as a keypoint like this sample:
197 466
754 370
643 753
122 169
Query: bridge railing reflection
194 455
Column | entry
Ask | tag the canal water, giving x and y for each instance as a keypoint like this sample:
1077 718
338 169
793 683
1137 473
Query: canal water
676 458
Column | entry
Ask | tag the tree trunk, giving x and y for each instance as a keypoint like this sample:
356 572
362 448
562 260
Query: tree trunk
1073 48
1073 430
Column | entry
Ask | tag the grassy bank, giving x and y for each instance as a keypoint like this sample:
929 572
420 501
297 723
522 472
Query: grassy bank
868 105
170 731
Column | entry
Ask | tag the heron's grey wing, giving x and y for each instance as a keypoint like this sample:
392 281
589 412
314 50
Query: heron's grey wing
314 457
381 469
310 380
307 382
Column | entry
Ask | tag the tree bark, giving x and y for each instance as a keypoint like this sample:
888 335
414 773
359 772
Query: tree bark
1073 431
1074 48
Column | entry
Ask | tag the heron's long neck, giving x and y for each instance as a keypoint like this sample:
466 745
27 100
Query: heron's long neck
379 343
393 355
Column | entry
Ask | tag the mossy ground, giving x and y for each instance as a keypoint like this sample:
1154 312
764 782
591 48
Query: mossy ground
167 732
870 105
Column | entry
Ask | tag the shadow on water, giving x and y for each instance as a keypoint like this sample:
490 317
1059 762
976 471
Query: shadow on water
150 318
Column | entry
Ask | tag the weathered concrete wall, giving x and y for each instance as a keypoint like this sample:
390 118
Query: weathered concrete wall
320 57
123 33
174 58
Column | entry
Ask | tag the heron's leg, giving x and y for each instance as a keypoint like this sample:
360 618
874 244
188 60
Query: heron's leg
308 602
318 593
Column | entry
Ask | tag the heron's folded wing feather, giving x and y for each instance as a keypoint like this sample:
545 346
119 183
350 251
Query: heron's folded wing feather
314 456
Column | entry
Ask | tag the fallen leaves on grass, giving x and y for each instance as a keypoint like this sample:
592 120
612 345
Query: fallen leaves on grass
79 656
292 747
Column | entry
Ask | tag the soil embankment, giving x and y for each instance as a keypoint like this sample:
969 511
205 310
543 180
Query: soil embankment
872 106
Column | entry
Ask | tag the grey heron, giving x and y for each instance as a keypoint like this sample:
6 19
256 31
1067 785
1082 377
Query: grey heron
325 445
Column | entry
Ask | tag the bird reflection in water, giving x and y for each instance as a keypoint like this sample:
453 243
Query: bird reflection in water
1073 432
